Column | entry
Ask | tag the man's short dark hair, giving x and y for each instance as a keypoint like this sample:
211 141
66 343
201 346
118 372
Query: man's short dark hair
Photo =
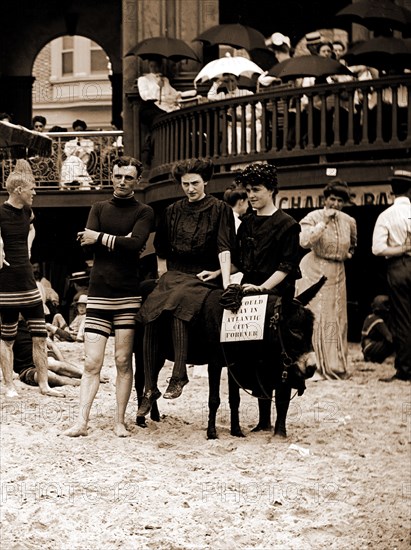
129 161
204 168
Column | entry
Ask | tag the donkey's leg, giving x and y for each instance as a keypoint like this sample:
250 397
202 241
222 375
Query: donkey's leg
234 401
214 379
264 415
282 402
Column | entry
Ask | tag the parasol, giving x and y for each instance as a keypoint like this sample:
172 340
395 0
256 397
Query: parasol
263 57
235 35
377 14
381 53
307 65
163 46
239 66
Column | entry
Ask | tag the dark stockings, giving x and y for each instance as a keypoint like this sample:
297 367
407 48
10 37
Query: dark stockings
179 332
153 357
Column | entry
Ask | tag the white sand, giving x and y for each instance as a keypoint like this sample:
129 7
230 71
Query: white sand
341 479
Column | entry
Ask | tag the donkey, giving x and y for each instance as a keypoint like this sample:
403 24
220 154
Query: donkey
283 360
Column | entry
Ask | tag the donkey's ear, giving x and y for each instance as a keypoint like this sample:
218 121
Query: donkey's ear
305 297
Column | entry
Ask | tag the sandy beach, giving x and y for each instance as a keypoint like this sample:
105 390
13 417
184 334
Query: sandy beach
340 480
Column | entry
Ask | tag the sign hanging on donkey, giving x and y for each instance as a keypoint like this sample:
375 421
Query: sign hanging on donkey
248 323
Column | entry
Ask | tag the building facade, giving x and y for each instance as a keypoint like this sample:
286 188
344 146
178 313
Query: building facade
72 82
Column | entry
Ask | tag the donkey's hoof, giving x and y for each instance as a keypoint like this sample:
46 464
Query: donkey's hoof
212 433
155 413
236 432
262 428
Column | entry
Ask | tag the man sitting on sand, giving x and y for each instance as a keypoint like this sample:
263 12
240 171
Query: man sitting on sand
60 372
376 338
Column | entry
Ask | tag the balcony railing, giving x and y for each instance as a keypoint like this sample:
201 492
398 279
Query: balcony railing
99 149
359 121
289 125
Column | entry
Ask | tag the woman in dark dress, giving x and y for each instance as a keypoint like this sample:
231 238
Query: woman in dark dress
267 249
195 237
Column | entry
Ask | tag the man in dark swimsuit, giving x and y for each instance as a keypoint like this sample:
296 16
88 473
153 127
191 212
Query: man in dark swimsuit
117 229
18 288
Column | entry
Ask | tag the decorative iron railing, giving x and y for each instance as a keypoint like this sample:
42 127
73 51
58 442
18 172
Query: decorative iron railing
96 149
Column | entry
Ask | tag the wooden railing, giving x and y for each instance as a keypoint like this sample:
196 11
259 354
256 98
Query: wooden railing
355 121
289 125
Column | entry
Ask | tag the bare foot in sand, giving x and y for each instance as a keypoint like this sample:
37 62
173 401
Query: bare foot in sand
52 393
11 391
121 431
76 431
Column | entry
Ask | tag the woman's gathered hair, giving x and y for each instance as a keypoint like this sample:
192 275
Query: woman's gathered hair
259 174
203 167
339 188
234 193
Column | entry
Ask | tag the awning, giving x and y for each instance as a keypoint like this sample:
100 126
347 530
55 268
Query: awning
18 142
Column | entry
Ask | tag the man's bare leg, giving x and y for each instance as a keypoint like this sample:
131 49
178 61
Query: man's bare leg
124 339
94 347
60 380
6 360
40 361
63 368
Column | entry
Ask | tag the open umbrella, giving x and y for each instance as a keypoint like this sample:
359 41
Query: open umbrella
376 14
14 140
163 46
239 66
263 57
382 53
307 65
235 35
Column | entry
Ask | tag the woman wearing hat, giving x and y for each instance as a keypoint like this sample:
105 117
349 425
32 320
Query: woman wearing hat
331 236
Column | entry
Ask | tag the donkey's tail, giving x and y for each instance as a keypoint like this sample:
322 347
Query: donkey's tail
305 297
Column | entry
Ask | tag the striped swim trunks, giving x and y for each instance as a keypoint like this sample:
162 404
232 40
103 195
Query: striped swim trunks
105 314
22 298
30 305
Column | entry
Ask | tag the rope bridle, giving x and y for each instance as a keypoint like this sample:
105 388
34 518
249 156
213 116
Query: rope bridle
275 324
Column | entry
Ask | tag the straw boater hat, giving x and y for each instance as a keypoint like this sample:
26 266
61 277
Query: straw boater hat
82 299
400 181
313 39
